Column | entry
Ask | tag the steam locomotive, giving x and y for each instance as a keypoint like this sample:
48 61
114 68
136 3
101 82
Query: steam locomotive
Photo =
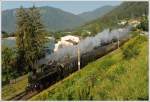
53 71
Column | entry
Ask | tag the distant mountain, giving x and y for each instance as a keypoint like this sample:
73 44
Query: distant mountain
8 20
53 18
91 15
56 19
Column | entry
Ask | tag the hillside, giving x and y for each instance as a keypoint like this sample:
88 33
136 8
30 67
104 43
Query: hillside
126 10
97 13
109 78
53 18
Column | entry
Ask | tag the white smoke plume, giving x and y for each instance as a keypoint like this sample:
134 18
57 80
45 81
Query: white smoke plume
88 44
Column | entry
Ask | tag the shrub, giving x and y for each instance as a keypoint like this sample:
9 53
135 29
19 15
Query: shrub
144 24
134 33
131 50
107 62
8 64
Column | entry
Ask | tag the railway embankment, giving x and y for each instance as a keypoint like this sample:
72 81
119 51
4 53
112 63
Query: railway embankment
110 77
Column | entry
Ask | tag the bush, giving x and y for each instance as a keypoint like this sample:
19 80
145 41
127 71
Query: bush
144 24
107 63
134 33
8 64
131 50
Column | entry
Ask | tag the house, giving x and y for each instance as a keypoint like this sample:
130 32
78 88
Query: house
134 22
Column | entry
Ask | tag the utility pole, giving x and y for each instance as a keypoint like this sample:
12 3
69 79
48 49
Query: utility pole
118 31
78 58
118 40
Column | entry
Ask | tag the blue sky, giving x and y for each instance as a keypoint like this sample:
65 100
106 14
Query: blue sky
75 7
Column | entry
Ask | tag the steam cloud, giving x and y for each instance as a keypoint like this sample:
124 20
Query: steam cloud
88 44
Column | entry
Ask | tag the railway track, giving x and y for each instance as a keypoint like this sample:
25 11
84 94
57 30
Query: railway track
24 96
27 95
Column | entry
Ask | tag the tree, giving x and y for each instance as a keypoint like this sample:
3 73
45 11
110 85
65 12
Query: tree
8 61
22 18
144 23
35 39
4 34
31 37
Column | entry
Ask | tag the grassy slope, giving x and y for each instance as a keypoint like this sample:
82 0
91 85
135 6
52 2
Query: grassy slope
10 90
108 78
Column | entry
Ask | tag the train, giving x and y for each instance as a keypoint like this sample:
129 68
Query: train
53 71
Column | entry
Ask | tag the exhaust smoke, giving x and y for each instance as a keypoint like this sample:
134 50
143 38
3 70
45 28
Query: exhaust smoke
89 44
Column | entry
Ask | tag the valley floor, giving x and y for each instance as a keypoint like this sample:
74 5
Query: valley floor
109 78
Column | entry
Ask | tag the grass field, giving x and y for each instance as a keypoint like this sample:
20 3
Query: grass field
109 78
11 90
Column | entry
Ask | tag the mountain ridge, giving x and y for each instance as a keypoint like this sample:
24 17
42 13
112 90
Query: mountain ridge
53 18
9 19
98 12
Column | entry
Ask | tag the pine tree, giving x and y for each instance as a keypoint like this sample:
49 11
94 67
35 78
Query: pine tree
31 37
35 39
22 17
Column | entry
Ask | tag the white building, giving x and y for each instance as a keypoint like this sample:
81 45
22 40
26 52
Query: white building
134 23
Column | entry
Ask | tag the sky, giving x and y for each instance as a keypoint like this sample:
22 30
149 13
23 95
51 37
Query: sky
75 7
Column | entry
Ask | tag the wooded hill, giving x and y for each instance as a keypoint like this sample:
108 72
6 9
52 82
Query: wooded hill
126 10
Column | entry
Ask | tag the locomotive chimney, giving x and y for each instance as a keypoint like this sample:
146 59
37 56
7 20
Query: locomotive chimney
78 58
